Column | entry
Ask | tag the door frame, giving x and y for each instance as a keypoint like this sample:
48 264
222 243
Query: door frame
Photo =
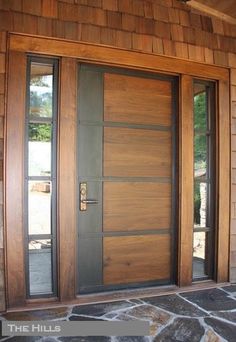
70 53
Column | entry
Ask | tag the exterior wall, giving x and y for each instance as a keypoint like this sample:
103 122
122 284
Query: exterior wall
164 27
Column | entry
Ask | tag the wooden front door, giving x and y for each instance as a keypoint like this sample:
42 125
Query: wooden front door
126 179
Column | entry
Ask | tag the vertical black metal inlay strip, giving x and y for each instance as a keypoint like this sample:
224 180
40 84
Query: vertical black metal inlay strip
89 162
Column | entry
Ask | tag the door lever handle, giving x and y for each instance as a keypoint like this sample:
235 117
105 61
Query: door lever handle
90 201
83 201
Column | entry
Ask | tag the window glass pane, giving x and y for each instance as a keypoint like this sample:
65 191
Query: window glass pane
200 116
40 267
200 156
41 90
200 204
203 179
200 254
39 149
39 208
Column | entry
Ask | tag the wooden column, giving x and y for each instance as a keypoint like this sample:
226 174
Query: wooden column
67 179
223 183
186 181
14 180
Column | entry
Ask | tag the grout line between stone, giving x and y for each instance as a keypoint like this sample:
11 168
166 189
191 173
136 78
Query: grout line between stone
228 293
208 327
194 304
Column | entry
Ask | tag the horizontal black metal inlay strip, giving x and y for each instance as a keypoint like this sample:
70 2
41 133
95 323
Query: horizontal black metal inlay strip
201 229
199 180
202 278
39 178
43 295
40 237
39 120
126 179
124 125
201 132
126 233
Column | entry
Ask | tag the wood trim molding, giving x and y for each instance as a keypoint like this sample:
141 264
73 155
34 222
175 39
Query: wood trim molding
15 269
70 54
186 181
67 179
114 56
223 183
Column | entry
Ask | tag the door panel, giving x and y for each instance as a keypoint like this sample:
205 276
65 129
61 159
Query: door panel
136 206
126 100
130 152
133 259
125 157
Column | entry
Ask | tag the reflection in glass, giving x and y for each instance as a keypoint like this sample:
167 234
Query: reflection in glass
200 259
40 267
39 207
203 178
40 184
200 117
200 156
39 149
41 90
200 204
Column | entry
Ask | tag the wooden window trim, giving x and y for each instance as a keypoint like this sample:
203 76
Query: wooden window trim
186 168
92 53
71 53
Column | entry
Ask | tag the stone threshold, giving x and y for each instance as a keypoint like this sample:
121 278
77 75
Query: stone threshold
200 315
103 297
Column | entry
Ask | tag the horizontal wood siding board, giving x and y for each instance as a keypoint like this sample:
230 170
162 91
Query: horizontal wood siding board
115 56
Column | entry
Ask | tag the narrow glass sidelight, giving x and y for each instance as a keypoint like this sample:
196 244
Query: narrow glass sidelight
40 177
204 181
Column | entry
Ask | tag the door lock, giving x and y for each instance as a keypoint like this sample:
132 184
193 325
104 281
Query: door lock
83 198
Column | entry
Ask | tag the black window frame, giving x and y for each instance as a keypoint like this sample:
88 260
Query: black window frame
54 62
211 174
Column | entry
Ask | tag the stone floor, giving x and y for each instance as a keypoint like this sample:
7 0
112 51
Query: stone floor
203 315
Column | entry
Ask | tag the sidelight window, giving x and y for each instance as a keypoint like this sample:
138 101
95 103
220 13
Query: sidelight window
204 175
40 177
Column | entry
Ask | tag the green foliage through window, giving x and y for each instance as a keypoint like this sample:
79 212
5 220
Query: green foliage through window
200 143
41 96
200 148
40 132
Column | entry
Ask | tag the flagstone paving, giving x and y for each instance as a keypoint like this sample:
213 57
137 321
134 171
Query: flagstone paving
197 316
